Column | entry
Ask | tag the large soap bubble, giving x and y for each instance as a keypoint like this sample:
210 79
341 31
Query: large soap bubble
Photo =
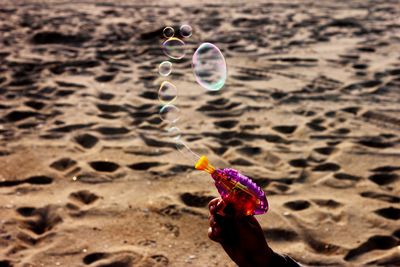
209 67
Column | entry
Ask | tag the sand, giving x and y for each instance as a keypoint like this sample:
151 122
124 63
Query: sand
310 111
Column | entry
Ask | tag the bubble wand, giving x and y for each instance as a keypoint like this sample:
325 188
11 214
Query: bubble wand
236 189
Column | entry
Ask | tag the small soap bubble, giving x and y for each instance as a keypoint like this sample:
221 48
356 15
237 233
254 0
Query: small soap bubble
185 31
174 48
169 113
174 133
168 32
165 68
209 67
167 92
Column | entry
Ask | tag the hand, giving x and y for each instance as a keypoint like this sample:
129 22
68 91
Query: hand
242 238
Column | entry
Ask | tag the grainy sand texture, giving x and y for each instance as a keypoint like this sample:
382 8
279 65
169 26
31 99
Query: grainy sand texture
310 110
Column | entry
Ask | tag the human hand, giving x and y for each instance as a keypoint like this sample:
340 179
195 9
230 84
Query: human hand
242 238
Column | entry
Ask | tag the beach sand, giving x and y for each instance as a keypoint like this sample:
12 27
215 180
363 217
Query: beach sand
310 111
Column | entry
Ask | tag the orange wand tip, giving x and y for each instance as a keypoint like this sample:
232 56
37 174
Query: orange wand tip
203 165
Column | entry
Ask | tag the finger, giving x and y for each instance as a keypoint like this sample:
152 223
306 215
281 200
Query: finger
217 231
211 234
212 210
219 207
213 202
212 222
214 233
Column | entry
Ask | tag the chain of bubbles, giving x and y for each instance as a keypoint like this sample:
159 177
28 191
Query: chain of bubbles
209 69
174 48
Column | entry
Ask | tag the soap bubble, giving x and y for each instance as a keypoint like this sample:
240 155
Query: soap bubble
167 92
165 68
169 113
168 32
185 31
174 133
174 48
209 67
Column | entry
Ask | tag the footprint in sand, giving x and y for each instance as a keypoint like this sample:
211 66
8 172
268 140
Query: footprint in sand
113 259
327 203
280 234
37 223
144 166
386 168
375 142
327 167
390 213
63 164
157 260
298 163
377 242
34 180
381 196
109 108
39 220
285 129
79 201
18 115
196 199
111 131
297 205
384 178
84 197
316 125
174 229
346 176
37 105
104 166
226 124
326 151
86 140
